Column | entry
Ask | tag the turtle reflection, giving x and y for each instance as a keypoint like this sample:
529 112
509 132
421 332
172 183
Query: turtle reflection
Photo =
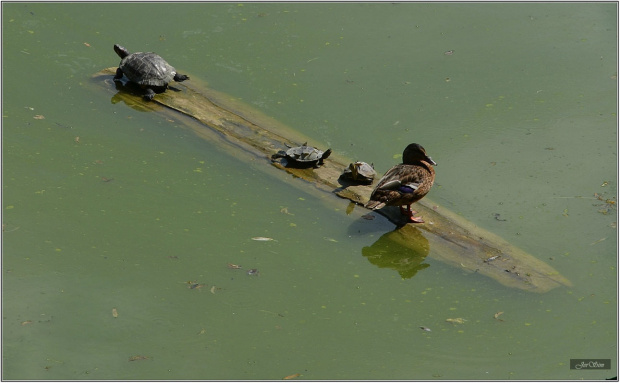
127 93
403 253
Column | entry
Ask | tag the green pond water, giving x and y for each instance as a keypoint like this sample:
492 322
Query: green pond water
515 102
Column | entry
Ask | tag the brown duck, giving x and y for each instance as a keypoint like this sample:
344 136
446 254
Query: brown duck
405 183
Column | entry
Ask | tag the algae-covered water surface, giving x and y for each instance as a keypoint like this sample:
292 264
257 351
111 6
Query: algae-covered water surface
135 249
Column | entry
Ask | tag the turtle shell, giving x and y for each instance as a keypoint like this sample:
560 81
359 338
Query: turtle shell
359 172
148 69
303 156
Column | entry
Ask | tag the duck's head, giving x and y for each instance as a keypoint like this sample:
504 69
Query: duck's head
414 153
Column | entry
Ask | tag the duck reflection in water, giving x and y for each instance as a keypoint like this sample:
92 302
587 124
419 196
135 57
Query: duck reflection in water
403 252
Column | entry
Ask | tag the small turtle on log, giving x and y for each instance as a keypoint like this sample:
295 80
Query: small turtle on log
359 172
147 69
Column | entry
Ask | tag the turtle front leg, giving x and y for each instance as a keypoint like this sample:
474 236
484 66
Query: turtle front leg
149 94
119 74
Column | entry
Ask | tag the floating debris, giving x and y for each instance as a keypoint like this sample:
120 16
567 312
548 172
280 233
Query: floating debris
456 320
491 259
425 328
368 217
4 229
233 266
262 239
138 357
284 210
292 376
114 312
253 272
39 117
26 322
173 257
194 285
106 179
76 139
497 217
609 203
448 53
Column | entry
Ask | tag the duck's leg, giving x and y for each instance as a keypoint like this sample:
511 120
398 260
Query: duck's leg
410 213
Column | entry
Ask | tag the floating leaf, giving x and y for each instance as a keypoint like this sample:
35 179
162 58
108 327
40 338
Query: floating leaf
292 376
497 314
456 320
39 117
114 312
233 266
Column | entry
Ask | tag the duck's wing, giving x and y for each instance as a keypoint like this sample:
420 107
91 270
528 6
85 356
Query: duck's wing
398 182
400 175
408 187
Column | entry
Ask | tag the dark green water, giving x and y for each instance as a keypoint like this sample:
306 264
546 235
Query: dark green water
521 118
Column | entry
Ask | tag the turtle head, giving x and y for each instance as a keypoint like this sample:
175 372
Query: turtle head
121 51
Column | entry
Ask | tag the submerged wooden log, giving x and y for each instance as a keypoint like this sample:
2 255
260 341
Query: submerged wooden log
243 131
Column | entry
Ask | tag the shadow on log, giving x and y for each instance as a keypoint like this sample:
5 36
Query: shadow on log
247 133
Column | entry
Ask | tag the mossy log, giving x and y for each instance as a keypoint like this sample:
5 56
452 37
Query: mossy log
243 131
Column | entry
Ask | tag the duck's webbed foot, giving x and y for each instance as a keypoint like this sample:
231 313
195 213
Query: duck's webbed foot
410 213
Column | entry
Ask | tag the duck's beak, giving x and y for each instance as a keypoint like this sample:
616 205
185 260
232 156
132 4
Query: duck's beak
430 160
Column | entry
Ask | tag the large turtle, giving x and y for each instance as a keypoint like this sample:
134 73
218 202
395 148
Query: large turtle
303 156
146 69
359 172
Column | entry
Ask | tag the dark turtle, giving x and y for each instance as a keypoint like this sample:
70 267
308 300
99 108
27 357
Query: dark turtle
303 156
359 172
146 69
